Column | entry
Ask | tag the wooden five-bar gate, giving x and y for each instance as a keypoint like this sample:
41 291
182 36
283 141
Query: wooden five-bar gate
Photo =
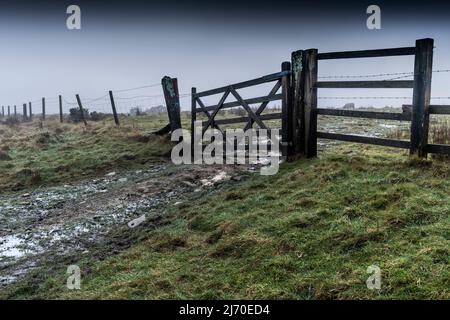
299 83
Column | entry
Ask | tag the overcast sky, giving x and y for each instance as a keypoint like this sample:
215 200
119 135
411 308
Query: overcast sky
126 44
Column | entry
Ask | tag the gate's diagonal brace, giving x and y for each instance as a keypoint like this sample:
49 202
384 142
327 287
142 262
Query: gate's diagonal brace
203 108
264 104
248 109
213 115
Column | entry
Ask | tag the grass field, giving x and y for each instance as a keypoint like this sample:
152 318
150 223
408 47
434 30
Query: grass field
309 232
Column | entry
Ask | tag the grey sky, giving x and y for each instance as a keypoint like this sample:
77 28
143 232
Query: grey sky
40 57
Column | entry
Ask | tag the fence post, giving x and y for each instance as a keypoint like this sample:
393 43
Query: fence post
423 68
310 102
286 109
25 112
15 111
171 95
30 111
193 119
298 114
113 106
9 112
43 108
61 117
81 109
3 111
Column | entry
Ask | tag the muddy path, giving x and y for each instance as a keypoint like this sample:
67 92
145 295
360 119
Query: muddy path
71 220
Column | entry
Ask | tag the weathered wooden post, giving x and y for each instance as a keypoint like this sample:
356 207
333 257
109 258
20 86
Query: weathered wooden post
43 108
310 102
193 119
3 111
15 111
81 109
61 116
423 68
9 111
171 95
286 109
113 106
298 120
30 111
25 117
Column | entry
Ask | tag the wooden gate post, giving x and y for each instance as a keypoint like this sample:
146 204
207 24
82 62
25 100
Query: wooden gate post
171 95
298 114
286 109
310 102
113 106
193 119
423 68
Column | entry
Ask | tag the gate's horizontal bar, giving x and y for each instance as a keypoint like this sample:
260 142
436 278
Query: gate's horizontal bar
438 148
434 109
269 116
365 114
405 51
237 103
367 140
268 78
367 84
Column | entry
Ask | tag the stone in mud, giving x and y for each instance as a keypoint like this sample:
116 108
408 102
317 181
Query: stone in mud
4 156
189 184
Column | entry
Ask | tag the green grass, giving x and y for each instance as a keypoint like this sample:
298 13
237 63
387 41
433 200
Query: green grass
309 232
52 153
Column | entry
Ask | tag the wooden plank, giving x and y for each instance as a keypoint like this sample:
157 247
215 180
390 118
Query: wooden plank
286 107
405 51
202 107
366 140
247 108
364 114
237 103
438 148
213 115
269 116
310 102
249 83
434 109
264 104
421 97
396 84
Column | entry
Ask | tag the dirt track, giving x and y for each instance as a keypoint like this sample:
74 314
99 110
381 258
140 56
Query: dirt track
67 221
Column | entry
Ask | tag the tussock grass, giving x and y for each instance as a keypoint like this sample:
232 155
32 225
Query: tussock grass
309 232
36 154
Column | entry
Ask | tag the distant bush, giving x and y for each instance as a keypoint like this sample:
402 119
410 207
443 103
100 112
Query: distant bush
98 116
75 115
